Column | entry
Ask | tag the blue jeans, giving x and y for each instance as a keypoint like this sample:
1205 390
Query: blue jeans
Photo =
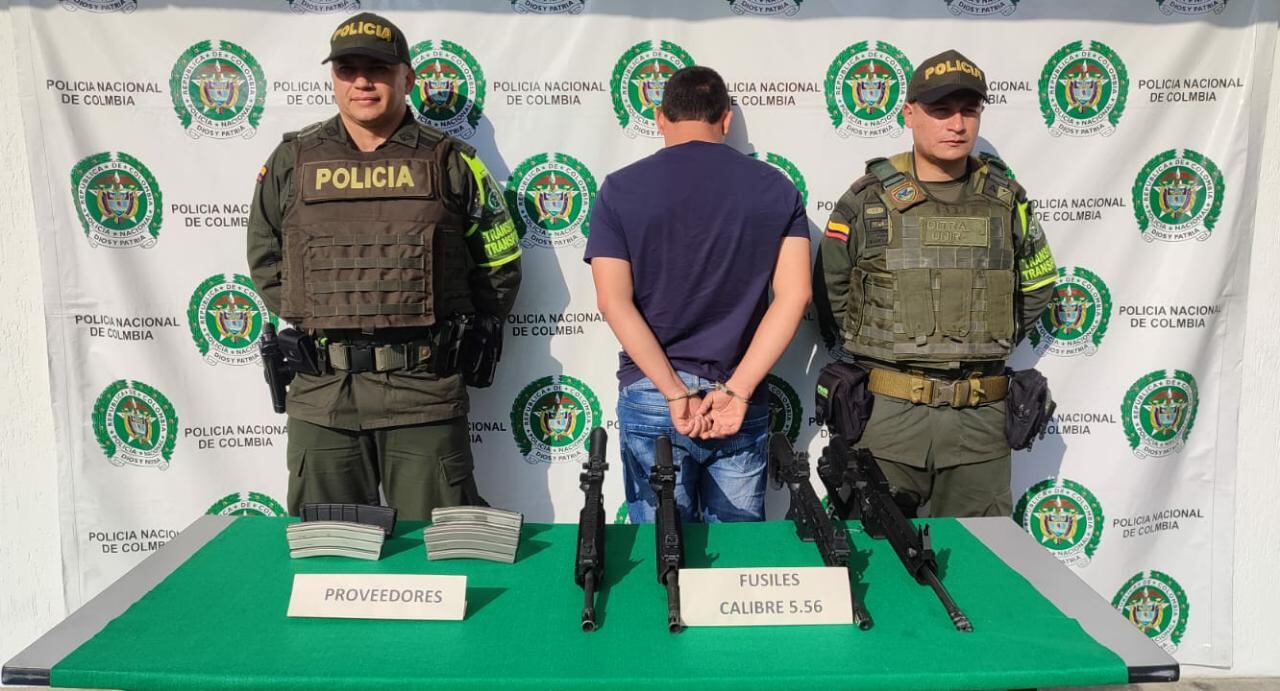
719 480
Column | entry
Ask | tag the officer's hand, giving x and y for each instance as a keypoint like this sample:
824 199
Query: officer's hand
724 412
685 418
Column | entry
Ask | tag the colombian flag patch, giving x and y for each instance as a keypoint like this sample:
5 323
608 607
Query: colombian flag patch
262 173
838 231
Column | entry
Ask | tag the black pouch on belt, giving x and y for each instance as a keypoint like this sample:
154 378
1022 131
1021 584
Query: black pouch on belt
299 351
1028 408
842 400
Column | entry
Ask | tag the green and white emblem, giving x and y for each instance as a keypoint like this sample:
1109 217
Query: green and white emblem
1064 517
1191 6
226 316
785 410
135 424
1083 89
789 169
549 197
117 200
1159 411
125 6
449 94
548 6
1178 196
1157 605
622 516
246 504
218 90
638 82
982 8
552 418
1077 317
866 87
768 8
306 6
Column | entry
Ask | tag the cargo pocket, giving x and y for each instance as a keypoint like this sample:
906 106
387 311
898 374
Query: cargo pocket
955 300
456 468
999 301
915 290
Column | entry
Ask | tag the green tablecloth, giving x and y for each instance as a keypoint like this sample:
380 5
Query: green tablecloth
219 622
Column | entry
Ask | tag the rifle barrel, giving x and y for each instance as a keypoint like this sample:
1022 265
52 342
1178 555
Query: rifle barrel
958 617
588 602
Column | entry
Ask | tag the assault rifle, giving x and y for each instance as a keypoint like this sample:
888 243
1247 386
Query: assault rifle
857 488
813 523
588 568
668 535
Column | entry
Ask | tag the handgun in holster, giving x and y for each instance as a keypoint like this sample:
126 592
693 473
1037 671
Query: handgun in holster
449 342
274 369
481 351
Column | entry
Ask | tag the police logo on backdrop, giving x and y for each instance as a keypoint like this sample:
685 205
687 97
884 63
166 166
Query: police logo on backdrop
218 91
789 169
1077 316
1064 517
1191 6
785 410
548 6
1155 603
246 504
982 8
622 516
787 8
552 417
117 200
226 315
125 6
306 6
1178 196
549 197
1159 411
135 425
1083 89
638 82
866 87
450 87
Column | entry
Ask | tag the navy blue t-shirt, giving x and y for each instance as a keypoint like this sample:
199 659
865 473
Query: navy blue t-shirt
701 224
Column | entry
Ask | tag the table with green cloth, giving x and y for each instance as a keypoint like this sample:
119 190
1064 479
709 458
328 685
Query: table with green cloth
215 617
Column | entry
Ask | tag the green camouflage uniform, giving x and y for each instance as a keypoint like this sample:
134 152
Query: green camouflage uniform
406 429
956 458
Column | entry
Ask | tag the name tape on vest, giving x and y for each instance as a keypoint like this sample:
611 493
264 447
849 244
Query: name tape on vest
951 231
385 179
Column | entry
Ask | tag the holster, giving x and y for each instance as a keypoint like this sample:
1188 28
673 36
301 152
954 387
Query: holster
842 400
481 351
300 353
1029 406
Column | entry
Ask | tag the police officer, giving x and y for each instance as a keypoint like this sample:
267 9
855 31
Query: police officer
934 269
380 238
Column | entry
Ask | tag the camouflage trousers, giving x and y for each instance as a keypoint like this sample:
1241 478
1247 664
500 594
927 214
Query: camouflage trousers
417 467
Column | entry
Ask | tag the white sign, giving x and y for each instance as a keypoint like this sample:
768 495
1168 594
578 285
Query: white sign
378 596
776 596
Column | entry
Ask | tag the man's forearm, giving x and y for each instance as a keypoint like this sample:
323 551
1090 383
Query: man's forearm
770 341
642 347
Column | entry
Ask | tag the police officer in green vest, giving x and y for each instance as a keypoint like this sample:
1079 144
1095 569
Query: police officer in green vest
386 242
934 269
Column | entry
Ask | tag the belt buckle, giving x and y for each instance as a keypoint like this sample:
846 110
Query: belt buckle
360 359
944 392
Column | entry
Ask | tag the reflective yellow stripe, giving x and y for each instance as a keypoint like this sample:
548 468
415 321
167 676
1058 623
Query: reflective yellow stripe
504 260
1022 215
472 230
1040 284
479 172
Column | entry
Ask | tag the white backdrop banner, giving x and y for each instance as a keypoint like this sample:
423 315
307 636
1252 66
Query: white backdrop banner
1133 125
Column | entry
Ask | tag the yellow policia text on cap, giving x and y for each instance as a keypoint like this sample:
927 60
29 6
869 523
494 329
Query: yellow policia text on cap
941 68
363 29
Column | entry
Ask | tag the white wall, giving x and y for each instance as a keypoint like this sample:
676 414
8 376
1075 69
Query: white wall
31 598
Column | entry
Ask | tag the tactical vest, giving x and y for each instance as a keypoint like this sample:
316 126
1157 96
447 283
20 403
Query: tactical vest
369 242
935 282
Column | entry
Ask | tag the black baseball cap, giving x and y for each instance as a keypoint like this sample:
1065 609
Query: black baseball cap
945 74
369 35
